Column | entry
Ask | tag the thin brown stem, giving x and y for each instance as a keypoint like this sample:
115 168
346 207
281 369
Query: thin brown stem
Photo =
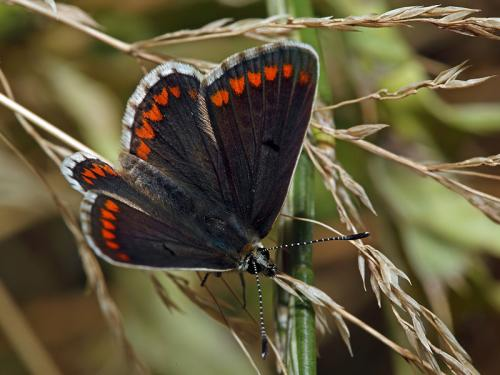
45 125
99 35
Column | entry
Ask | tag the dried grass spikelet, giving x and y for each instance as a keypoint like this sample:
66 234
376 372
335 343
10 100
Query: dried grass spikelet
447 79
320 300
456 19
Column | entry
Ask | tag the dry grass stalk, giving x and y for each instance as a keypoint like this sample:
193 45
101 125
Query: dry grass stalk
223 28
456 19
79 20
300 289
489 161
230 326
479 161
212 307
473 174
447 79
384 279
27 115
164 296
486 203
217 311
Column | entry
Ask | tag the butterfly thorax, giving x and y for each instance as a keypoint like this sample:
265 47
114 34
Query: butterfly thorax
258 261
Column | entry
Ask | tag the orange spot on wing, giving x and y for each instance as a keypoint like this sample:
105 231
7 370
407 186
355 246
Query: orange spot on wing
109 170
112 206
220 97
108 224
98 170
123 257
304 77
175 91
162 98
193 93
238 85
146 131
255 79
105 214
108 235
153 114
287 70
270 72
88 173
112 245
88 181
143 151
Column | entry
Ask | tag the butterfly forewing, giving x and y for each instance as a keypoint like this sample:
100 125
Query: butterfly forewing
162 127
259 105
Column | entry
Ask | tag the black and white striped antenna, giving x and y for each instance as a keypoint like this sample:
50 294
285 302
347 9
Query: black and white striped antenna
263 333
349 237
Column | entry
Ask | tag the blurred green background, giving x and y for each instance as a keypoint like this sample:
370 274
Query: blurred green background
450 250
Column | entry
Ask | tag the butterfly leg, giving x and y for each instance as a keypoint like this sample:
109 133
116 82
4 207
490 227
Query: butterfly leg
243 289
203 282
204 279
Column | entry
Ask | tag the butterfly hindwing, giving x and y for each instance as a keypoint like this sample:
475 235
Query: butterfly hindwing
158 196
259 106
125 235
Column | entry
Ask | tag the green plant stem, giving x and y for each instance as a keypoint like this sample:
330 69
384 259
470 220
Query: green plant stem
299 265
295 320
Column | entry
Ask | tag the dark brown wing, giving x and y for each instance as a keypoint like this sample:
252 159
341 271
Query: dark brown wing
146 219
163 126
259 106
126 236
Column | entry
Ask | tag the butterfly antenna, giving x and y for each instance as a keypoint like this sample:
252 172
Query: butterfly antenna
263 333
349 237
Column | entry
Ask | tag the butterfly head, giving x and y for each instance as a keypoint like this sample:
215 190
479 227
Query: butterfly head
258 261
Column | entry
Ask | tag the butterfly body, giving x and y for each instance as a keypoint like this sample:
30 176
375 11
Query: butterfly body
206 165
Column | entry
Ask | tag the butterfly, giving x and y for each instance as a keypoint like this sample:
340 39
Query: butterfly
206 164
